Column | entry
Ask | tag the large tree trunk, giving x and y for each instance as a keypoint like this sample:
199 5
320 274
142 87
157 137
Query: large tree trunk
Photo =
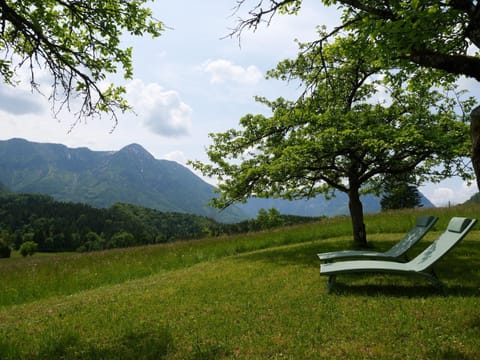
475 132
356 214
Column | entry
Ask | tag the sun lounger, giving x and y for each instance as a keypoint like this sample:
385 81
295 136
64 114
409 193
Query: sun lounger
396 253
421 265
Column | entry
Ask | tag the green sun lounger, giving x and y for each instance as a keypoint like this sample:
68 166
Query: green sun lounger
396 253
422 265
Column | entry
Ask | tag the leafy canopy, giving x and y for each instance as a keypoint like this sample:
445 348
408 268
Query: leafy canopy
435 34
78 43
398 193
432 33
356 125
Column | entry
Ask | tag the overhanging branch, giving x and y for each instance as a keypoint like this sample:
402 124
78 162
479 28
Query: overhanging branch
454 64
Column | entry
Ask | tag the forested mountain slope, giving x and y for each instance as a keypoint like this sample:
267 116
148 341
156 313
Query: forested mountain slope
132 175
102 178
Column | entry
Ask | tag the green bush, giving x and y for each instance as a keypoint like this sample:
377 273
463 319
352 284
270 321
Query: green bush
122 239
28 248
93 242
269 219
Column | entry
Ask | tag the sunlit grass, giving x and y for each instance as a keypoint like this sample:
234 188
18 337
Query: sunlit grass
31 278
256 296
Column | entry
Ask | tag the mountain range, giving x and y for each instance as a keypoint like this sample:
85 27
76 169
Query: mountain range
133 175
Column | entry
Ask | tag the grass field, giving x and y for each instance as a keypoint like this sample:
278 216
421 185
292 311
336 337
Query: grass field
255 296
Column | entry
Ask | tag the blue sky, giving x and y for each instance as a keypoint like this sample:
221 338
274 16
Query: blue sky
189 82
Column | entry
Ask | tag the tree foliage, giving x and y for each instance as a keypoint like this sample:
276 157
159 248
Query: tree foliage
269 219
61 226
28 248
432 33
342 135
435 34
78 43
399 193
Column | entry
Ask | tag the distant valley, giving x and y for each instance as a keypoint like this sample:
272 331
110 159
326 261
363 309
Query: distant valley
132 175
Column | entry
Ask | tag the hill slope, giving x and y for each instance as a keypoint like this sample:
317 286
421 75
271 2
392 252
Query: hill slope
249 297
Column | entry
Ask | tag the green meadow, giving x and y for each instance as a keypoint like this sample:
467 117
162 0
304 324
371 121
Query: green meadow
251 296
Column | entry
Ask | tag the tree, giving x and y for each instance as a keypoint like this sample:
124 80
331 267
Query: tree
93 242
28 248
341 136
434 34
122 239
78 43
269 219
399 193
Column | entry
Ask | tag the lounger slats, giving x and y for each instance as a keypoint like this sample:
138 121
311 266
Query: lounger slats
422 264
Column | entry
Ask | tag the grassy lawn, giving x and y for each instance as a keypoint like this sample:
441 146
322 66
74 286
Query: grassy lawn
241 298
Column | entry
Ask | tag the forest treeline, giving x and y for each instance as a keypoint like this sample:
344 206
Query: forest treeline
62 226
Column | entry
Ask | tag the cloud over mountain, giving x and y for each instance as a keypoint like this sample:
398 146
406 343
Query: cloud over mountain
162 111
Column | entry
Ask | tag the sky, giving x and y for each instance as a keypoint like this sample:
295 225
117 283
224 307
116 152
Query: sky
191 81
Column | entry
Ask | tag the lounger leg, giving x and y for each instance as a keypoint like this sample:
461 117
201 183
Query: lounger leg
432 276
331 282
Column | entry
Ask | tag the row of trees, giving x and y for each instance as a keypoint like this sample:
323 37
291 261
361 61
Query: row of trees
58 226
30 223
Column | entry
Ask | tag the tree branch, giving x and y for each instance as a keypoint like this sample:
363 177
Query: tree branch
257 15
454 64
383 13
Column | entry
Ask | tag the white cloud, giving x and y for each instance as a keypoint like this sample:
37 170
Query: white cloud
162 111
177 156
450 192
442 196
19 101
222 71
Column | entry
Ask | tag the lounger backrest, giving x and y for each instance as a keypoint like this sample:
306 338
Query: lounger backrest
457 228
423 225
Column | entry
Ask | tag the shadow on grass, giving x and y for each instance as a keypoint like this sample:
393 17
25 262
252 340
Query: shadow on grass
452 354
458 270
69 345
304 254
133 345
